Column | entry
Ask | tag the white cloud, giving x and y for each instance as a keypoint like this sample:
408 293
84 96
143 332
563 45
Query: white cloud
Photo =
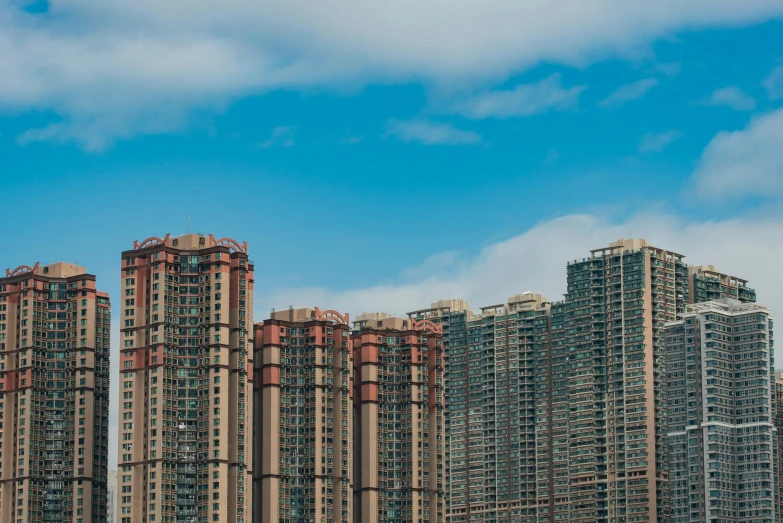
669 68
629 92
536 261
430 133
352 140
115 68
733 97
523 100
281 136
657 142
744 163
774 83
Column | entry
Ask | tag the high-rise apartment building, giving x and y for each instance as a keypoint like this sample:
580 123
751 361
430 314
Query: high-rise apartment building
452 316
720 373
304 418
706 283
777 418
186 391
618 302
491 406
553 415
54 395
398 420
503 341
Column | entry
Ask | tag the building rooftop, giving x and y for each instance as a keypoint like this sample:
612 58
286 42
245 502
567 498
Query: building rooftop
629 244
52 270
725 305
191 241
303 314
443 305
380 320
291 314
710 270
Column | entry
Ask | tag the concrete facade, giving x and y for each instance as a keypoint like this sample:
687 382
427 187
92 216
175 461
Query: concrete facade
452 316
186 381
54 395
706 283
722 438
304 418
398 421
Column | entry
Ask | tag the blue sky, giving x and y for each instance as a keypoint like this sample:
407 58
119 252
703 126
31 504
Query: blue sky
395 153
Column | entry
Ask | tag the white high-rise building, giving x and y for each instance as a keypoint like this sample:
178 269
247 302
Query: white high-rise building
720 377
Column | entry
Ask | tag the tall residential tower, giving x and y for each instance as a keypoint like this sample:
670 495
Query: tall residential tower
398 420
452 316
186 390
304 418
54 395
722 439
618 302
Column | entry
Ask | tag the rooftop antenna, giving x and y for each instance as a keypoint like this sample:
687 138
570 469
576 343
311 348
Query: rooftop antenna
188 224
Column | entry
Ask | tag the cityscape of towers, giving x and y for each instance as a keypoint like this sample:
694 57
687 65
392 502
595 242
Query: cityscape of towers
647 394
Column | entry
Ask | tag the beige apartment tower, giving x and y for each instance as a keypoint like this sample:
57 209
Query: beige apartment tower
609 446
398 420
186 381
54 395
304 418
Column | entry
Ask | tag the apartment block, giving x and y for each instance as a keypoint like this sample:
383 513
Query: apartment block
186 381
304 418
777 417
398 420
722 437
618 302
54 395
452 316
707 283
553 415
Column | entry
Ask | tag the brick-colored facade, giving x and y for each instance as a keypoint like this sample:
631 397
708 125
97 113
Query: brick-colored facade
54 395
398 420
186 380
304 418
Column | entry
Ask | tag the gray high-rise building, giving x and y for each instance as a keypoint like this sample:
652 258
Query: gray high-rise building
557 411
720 377
706 283
491 424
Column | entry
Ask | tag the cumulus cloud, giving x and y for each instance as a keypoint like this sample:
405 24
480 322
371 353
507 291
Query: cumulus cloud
109 67
744 163
733 164
430 133
535 260
657 142
774 83
523 100
731 96
629 92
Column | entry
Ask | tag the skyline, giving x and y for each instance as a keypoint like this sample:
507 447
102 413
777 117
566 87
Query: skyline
475 306
453 154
